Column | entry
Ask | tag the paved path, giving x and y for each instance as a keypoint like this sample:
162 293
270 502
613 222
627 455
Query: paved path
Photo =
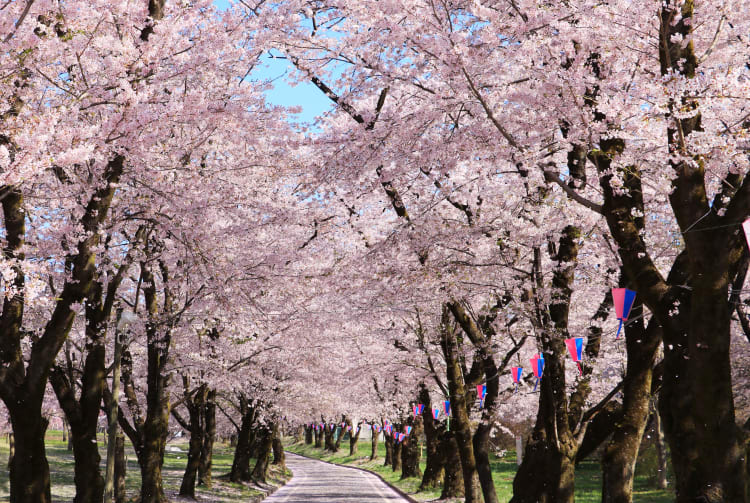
318 482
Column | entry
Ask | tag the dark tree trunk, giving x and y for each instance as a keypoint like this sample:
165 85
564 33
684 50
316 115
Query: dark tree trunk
460 426
600 429
156 425
388 439
661 451
29 471
396 462
82 414
88 476
453 482
354 439
207 449
149 434
121 469
24 378
714 468
411 452
341 432
245 437
618 462
547 472
328 434
373 442
308 435
480 336
260 472
195 427
278 449
319 438
435 465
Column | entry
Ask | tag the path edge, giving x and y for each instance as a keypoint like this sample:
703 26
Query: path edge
400 492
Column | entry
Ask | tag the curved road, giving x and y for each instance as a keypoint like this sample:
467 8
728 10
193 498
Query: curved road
315 481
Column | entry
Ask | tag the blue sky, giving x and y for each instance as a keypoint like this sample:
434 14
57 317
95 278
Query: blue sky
305 95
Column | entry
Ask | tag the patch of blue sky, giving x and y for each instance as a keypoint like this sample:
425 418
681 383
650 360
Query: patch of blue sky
304 95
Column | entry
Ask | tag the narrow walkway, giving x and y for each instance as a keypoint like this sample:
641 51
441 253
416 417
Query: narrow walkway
315 481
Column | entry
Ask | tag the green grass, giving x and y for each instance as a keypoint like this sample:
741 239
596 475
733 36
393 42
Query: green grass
63 488
588 474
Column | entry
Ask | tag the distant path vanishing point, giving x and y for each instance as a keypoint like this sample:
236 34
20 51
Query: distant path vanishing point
318 482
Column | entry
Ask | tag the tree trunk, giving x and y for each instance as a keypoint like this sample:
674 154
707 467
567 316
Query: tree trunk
481 439
82 414
190 477
435 465
453 482
121 468
461 426
88 476
618 462
411 452
388 439
278 449
661 451
547 473
714 468
354 439
373 442
396 462
113 406
29 471
245 437
328 434
308 434
155 431
207 449
340 436
319 438
260 472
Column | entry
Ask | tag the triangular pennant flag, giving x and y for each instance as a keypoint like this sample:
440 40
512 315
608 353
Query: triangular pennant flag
481 391
623 300
435 413
447 407
537 366
516 373
575 348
